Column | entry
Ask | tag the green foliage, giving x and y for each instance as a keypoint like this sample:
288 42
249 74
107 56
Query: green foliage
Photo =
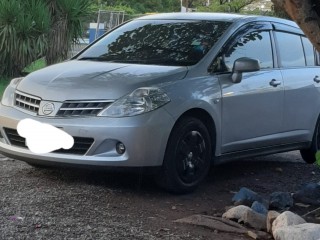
3 84
23 29
137 6
127 9
318 158
36 65
66 27
225 6
29 27
73 12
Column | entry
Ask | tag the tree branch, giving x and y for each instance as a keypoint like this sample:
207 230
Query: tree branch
306 15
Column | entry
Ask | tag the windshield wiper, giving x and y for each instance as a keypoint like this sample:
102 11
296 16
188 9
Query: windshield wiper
159 61
108 59
171 62
94 59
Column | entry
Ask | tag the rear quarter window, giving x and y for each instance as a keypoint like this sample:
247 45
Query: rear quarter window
309 52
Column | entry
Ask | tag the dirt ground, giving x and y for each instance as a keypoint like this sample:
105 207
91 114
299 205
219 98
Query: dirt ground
86 204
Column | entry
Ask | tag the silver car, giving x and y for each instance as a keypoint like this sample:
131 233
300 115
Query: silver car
176 92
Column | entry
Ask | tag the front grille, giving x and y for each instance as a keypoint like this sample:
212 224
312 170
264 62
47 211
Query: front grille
27 102
82 108
80 147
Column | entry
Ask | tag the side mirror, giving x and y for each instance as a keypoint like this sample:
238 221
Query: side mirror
242 65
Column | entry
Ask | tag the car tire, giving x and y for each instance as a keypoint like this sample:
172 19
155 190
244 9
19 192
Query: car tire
309 154
187 158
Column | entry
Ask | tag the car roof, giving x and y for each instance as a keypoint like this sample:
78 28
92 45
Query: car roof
228 17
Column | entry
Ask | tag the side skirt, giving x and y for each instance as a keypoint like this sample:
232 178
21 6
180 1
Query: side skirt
227 157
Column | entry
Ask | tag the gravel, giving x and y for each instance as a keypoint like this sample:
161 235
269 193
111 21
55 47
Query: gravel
40 203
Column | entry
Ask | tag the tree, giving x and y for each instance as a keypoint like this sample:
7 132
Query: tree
140 6
226 5
306 13
66 28
31 29
237 5
24 26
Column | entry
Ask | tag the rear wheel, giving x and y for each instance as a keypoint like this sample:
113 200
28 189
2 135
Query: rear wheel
309 154
187 157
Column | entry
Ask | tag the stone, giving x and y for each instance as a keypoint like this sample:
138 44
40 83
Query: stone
247 197
272 215
247 216
222 225
308 194
280 200
305 231
259 208
218 224
286 219
259 235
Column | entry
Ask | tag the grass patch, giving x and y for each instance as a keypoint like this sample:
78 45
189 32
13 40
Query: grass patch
36 65
3 84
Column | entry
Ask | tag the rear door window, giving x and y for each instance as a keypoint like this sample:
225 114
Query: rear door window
291 51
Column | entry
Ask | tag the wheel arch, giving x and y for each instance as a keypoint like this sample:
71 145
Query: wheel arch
208 121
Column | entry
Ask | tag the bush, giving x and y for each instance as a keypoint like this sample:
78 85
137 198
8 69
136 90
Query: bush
23 29
31 29
66 27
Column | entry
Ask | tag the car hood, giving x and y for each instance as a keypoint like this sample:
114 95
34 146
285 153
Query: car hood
84 80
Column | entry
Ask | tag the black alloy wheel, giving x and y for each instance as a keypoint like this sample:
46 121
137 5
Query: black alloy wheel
187 158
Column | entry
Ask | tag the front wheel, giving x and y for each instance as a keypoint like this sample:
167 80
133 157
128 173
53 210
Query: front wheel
187 157
309 154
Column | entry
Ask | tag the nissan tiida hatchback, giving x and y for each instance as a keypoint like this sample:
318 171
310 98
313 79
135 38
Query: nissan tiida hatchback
175 91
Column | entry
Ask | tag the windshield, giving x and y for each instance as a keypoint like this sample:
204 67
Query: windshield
164 42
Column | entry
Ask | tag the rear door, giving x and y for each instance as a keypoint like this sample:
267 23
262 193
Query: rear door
301 75
252 110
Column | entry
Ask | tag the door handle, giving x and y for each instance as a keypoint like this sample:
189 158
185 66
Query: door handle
275 83
316 79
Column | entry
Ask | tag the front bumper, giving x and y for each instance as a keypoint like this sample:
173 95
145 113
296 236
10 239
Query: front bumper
144 136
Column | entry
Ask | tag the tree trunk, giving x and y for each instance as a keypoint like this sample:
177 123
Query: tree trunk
306 13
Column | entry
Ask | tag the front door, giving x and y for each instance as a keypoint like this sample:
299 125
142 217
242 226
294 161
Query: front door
252 110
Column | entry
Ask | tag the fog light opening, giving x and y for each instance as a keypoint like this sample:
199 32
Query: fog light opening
120 148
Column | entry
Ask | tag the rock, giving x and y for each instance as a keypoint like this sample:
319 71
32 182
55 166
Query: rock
259 235
246 215
252 235
286 219
309 194
280 200
246 197
222 225
218 224
305 231
272 215
259 208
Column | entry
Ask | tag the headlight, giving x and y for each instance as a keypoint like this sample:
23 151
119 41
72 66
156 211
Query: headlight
8 95
140 101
